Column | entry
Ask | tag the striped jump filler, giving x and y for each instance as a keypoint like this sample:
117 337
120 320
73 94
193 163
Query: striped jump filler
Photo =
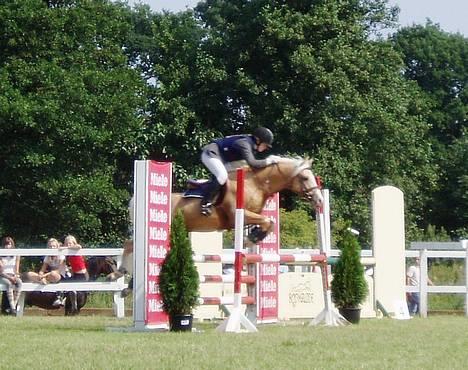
237 320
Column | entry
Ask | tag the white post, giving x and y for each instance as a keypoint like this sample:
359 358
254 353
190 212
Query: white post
388 225
328 316
139 240
326 221
464 244
423 283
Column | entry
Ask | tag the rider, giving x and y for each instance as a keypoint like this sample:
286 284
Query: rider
229 149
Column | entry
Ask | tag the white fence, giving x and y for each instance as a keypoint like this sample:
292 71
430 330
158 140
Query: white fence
88 286
425 250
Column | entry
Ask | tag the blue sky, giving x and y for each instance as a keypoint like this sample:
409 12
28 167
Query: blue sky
451 15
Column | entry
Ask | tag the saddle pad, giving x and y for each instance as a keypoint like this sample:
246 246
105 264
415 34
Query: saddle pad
193 193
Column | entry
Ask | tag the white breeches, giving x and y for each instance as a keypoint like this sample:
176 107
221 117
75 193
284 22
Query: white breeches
216 167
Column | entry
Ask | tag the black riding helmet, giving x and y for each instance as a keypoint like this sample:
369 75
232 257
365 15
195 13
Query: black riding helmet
264 135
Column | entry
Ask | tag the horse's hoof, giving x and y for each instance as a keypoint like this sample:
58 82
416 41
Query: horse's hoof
256 234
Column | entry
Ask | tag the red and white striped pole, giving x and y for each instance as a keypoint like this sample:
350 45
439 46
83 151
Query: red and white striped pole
236 318
239 232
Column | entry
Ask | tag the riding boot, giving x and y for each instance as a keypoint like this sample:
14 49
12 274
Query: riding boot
208 198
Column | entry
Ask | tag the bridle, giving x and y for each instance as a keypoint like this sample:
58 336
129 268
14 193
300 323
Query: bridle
306 191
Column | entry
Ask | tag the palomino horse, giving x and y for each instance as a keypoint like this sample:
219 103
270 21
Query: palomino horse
288 174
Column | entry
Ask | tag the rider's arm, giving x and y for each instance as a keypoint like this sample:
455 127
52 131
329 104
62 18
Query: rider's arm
245 149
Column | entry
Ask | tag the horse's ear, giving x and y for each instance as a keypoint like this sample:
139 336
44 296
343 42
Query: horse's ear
308 161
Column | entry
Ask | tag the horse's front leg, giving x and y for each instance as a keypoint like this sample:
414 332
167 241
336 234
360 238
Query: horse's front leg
263 226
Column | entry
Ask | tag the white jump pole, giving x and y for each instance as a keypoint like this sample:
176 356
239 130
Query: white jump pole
237 319
328 316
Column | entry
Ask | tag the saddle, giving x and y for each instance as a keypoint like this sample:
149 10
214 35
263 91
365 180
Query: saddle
198 188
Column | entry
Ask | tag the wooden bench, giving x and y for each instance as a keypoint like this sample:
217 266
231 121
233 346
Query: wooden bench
67 286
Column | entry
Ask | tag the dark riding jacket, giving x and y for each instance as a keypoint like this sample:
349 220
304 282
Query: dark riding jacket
234 148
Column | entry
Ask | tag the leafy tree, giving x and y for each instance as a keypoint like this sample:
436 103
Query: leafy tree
68 103
297 229
438 62
165 48
309 70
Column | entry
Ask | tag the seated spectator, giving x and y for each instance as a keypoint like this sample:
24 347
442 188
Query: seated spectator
77 263
78 268
9 275
53 268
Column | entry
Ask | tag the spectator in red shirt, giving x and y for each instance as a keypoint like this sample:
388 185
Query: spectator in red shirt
77 263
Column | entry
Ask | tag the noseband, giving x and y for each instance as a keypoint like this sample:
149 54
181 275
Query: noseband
308 192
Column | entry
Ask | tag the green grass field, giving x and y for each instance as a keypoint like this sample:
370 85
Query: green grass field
46 342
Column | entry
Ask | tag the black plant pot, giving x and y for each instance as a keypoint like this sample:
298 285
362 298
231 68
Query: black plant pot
351 314
181 322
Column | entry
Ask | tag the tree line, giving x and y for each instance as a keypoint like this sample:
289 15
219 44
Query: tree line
87 87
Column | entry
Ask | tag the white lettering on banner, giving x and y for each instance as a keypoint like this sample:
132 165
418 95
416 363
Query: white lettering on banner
157 251
270 238
268 286
273 219
160 180
153 287
158 198
154 305
157 233
158 216
154 269
270 205
268 270
269 251
268 302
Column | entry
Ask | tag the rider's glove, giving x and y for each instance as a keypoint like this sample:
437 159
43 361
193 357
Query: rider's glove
272 159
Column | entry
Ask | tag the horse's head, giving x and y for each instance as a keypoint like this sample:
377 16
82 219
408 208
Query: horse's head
302 180
100 265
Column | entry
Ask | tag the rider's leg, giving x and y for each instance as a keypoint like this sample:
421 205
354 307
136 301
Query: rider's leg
216 167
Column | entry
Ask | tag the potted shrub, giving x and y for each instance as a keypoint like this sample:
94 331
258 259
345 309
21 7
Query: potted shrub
349 287
178 280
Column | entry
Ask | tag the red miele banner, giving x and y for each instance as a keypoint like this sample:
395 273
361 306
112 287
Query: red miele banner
159 185
267 273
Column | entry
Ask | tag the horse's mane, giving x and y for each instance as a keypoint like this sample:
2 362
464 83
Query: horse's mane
299 163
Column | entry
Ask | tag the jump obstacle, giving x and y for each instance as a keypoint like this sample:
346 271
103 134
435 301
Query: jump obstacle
153 247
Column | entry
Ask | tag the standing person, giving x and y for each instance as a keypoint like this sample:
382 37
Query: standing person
413 276
9 275
126 267
229 149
